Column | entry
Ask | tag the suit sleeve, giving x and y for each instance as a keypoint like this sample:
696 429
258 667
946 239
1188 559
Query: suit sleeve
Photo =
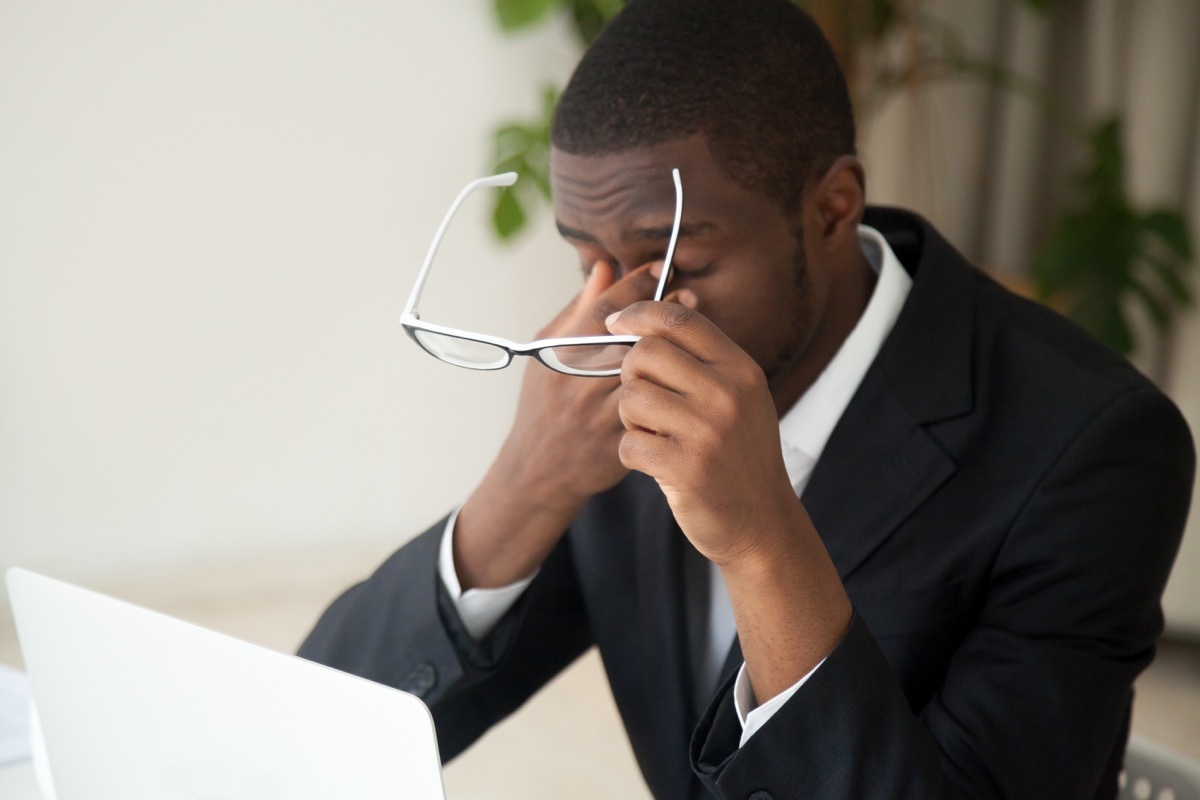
399 628
1037 695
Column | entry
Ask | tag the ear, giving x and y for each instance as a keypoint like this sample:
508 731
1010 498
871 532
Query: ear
839 198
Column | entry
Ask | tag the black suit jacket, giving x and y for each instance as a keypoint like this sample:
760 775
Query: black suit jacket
1003 499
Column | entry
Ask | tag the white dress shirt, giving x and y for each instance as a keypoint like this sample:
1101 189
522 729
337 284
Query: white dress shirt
803 432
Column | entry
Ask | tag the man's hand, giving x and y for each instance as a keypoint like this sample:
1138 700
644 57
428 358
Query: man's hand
567 431
700 420
562 449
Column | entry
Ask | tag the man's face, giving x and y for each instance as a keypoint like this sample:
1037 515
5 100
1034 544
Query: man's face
738 251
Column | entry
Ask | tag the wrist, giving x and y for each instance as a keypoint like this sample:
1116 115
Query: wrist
506 528
789 606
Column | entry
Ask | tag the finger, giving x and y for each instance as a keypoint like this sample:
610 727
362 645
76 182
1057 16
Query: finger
664 363
638 285
648 453
599 278
647 406
686 328
684 297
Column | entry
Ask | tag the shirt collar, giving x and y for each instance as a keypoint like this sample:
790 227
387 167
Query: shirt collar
807 425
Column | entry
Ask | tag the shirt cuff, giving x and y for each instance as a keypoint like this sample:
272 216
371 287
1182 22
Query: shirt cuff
479 609
752 717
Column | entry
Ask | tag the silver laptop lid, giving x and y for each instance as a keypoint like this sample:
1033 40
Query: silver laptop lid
136 705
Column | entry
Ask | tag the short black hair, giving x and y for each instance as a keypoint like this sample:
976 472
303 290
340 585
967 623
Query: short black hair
756 78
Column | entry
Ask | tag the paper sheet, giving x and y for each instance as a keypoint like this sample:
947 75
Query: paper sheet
14 716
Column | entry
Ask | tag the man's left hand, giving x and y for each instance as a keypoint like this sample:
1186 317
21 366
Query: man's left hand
700 420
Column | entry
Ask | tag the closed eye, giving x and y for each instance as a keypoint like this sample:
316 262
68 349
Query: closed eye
695 272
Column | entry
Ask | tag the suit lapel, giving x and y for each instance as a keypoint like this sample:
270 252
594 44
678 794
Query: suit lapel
881 462
877 468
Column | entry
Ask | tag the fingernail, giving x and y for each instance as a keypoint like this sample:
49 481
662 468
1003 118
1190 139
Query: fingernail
656 269
687 298
610 319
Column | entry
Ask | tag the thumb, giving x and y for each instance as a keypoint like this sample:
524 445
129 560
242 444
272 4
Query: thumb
599 279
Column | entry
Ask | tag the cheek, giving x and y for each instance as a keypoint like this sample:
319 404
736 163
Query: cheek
783 328
765 313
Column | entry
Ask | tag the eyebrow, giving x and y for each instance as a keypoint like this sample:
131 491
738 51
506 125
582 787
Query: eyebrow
661 233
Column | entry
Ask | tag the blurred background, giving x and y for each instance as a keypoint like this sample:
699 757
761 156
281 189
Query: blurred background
211 215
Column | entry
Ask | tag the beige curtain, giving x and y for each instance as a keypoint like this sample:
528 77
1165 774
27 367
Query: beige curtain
988 164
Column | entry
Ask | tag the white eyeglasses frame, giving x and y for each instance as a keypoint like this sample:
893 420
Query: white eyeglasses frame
541 349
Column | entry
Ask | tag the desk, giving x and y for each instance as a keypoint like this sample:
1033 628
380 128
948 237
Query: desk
17 782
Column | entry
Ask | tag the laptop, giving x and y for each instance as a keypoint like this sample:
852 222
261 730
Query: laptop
136 705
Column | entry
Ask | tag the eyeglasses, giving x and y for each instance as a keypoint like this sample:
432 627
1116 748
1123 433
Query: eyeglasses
596 356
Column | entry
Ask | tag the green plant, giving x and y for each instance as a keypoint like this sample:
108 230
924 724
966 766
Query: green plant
523 146
1103 255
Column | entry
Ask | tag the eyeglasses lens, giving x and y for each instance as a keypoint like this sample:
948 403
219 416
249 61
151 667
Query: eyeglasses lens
463 352
586 357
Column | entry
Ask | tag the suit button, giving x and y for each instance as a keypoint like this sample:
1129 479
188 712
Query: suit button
761 796
421 680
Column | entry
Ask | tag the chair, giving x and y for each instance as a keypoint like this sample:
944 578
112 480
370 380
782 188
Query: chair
1152 772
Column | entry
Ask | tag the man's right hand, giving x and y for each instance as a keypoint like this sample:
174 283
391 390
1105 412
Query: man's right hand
562 449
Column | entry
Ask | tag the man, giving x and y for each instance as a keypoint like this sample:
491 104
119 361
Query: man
938 518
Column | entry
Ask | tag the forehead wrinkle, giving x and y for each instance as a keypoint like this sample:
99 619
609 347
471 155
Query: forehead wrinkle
633 202
606 193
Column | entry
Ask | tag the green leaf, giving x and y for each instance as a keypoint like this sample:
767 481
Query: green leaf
1114 331
1167 273
1171 230
512 139
883 15
523 148
1158 312
1104 178
539 176
516 14
508 216
589 17
1103 253
608 8
1099 313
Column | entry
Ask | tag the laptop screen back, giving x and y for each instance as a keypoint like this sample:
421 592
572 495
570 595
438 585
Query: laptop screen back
137 705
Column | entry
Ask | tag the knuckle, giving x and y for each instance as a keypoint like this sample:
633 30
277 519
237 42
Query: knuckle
629 392
708 442
631 365
647 350
723 407
634 399
628 451
676 317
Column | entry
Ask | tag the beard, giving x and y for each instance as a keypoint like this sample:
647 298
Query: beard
792 347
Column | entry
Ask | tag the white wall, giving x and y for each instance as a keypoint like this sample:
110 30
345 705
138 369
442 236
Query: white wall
210 216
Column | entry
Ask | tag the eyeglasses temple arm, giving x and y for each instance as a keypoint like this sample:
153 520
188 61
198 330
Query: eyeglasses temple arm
503 179
666 270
